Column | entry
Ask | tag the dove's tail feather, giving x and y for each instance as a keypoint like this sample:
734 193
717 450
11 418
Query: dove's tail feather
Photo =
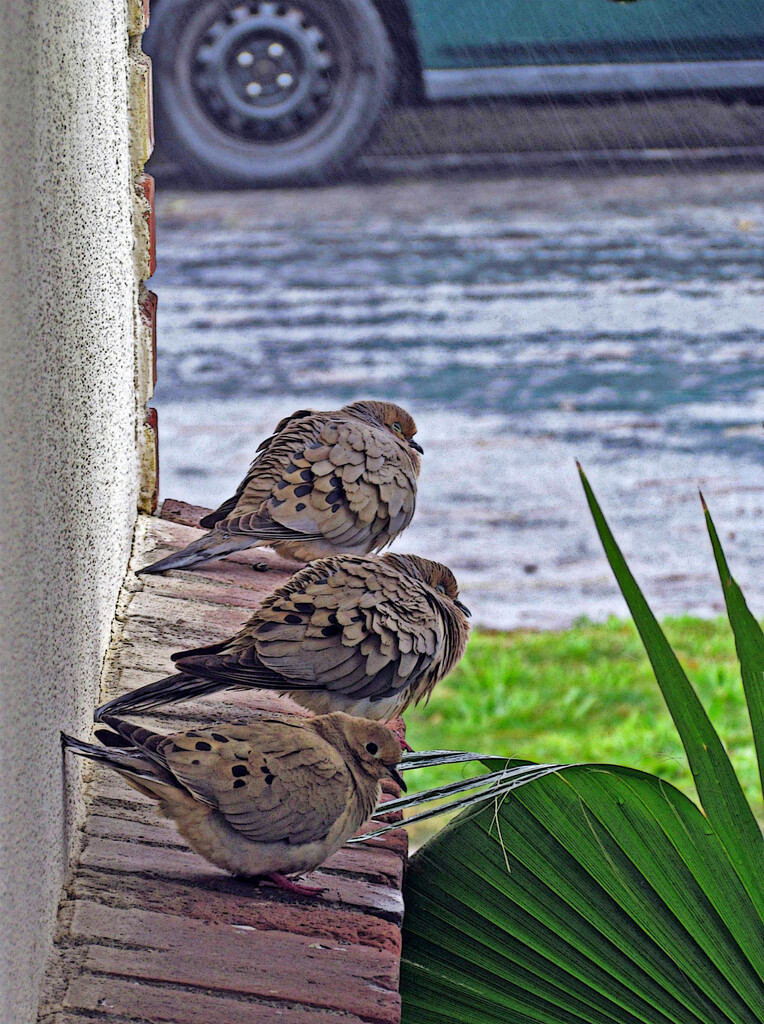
128 735
177 687
208 548
129 761
220 513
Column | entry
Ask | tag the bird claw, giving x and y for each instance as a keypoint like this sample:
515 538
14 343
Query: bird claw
282 882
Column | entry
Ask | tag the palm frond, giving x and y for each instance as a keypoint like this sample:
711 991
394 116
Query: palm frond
599 894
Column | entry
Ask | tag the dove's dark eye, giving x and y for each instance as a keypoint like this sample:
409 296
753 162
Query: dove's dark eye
372 748
397 428
440 588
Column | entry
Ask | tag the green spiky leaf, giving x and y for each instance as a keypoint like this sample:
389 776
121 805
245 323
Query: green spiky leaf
749 643
719 789
599 894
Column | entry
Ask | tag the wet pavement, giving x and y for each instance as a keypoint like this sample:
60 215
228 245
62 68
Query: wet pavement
525 321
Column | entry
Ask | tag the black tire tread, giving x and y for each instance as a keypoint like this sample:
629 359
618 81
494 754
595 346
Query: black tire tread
206 165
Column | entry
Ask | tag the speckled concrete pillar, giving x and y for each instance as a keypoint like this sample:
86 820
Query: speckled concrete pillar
70 429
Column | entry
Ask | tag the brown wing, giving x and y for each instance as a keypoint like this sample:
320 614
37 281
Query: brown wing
273 454
352 625
275 782
334 478
225 510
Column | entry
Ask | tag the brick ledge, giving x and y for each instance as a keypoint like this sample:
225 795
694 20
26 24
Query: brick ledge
148 931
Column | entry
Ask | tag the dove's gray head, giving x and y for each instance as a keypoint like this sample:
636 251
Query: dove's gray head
389 415
369 743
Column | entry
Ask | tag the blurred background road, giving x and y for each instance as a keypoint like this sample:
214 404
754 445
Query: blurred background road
616 131
608 313
578 132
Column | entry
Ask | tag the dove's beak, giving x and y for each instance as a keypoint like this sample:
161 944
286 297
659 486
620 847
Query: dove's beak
416 446
396 778
463 609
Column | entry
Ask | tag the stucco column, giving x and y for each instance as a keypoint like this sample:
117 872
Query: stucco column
69 460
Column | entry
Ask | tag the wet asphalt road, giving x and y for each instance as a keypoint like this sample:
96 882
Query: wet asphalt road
525 321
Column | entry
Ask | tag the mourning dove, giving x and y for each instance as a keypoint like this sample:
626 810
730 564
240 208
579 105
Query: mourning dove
366 635
270 799
325 482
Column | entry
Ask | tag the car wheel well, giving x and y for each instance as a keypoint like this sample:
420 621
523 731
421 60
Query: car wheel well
396 18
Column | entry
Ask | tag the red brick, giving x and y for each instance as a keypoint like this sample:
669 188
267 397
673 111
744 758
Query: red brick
271 965
145 184
182 512
128 830
343 925
129 677
131 999
199 586
152 425
280 969
384 866
111 787
396 840
339 925
126 858
176 624
148 311
150 98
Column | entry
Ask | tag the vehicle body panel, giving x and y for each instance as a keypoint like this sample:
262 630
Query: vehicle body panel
581 80
351 58
502 33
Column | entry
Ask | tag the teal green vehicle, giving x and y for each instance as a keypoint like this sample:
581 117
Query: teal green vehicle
271 93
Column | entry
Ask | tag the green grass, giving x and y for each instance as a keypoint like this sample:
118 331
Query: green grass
585 694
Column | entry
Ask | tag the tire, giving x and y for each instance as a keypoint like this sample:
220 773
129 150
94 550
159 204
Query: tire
321 72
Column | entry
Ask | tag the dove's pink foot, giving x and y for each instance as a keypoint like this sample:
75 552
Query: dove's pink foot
282 882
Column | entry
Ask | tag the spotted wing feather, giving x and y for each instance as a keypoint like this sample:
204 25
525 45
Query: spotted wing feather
355 626
280 783
352 625
331 478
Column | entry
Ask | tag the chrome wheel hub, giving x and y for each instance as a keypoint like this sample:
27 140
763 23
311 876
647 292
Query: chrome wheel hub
265 69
